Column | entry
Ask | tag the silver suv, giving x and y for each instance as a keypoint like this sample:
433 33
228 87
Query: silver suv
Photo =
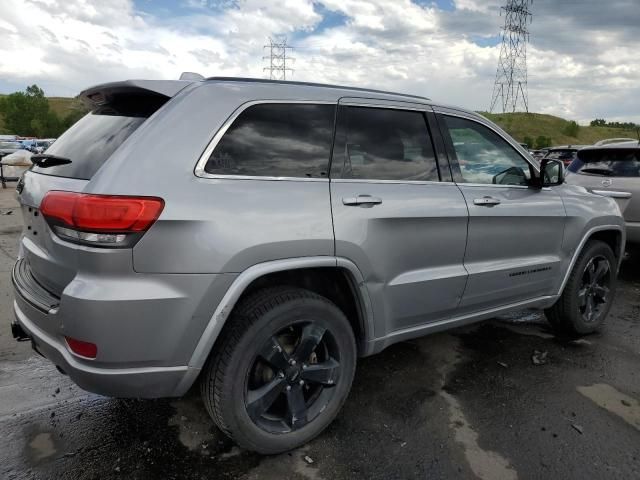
257 237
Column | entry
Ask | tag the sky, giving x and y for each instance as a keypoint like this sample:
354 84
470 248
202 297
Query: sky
583 55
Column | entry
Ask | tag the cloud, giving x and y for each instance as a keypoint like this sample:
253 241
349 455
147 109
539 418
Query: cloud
583 60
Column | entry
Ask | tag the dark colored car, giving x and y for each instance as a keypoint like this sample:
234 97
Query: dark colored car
566 154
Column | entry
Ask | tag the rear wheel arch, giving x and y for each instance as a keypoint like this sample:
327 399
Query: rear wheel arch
299 272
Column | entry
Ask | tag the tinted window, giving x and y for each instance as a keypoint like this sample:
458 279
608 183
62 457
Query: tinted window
485 157
89 143
564 155
383 144
608 163
277 140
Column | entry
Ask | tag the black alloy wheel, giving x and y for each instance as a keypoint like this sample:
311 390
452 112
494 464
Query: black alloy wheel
593 293
292 378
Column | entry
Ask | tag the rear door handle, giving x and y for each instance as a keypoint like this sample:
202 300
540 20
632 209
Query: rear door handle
362 200
486 201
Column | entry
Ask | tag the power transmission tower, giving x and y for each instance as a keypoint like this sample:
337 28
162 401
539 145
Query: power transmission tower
510 87
278 59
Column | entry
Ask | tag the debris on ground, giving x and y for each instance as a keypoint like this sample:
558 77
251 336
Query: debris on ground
503 365
578 428
10 212
625 403
308 459
539 357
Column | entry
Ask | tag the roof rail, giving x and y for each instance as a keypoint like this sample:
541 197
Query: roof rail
310 84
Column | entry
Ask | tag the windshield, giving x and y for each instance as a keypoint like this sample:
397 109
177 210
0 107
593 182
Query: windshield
609 163
89 143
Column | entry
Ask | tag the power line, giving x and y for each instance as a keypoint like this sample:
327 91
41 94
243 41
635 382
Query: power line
510 88
278 59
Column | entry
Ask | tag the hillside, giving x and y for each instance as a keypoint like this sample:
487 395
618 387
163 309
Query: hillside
61 106
520 125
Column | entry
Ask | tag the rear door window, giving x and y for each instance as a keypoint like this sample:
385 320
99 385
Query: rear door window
276 140
383 144
89 143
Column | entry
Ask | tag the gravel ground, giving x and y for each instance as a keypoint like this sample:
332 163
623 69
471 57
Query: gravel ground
469 403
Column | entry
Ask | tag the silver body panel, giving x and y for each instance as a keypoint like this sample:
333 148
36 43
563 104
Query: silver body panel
424 259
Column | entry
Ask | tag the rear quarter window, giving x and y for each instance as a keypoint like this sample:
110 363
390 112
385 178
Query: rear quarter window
276 140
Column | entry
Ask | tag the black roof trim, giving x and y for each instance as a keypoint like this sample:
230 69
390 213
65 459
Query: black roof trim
311 84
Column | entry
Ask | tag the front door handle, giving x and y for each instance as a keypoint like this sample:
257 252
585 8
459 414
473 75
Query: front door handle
362 201
486 201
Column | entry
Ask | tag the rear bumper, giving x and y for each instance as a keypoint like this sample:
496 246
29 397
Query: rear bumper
633 232
146 327
145 382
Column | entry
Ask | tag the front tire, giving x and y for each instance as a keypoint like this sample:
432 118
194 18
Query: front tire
588 295
282 369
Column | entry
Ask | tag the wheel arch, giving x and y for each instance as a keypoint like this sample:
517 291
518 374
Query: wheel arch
612 235
311 273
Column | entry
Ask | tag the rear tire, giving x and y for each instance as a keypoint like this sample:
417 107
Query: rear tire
281 370
588 295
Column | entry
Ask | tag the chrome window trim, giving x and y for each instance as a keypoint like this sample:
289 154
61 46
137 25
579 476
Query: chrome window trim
400 182
351 103
199 170
490 127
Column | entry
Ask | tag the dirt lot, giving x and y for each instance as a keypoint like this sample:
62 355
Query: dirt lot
470 403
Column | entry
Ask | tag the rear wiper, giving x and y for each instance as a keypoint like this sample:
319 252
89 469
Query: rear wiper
44 160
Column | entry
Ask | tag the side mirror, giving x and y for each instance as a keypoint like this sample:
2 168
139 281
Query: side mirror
551 173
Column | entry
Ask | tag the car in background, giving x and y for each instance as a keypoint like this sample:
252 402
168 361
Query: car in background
7 147
566 153
612 170
41 145
609 141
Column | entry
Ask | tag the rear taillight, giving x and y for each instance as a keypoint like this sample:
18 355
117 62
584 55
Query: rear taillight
100 220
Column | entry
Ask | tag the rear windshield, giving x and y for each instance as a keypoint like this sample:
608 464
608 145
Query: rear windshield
608 163
89 143
561 154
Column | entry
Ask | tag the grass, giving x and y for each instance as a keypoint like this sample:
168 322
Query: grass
533 125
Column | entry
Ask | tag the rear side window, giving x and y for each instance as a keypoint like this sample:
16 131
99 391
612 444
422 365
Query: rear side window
276 140
89 143
383 144
608 163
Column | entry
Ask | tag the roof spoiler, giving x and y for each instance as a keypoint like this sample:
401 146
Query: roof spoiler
109 94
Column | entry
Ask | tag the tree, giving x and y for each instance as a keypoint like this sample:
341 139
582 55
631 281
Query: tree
598 122
571 129
543 142
529 141
26 113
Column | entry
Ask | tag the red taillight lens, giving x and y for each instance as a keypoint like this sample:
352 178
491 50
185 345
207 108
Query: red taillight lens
104 220
84 349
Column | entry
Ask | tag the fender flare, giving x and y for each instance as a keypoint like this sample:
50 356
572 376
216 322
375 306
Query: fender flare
585 239
237 288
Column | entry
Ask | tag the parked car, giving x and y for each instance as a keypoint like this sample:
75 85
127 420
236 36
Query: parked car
612 170
7 147
566 154
609 141
290 229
